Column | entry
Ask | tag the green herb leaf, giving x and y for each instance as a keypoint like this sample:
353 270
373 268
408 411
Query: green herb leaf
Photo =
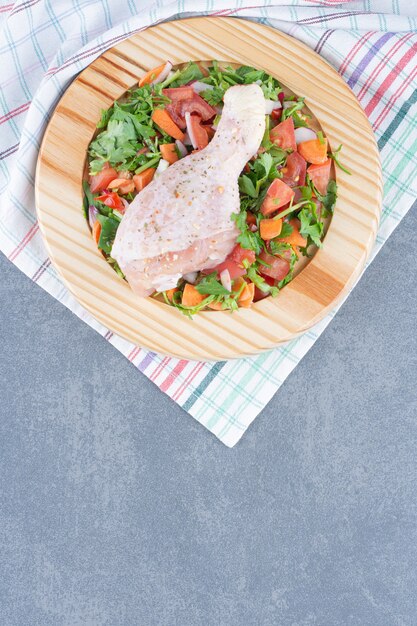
247 186
109 227
187 75
335 156
211 286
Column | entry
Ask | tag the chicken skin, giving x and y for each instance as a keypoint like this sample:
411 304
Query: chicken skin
182 221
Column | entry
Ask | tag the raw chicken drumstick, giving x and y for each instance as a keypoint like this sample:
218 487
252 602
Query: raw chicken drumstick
181 222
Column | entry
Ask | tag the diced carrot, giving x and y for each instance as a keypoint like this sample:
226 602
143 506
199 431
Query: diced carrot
314 151
169 152
247 295
96 231
162 118
151 75
190 296
144 178
250 218
170 293
122 184
270 228
295 239
216 306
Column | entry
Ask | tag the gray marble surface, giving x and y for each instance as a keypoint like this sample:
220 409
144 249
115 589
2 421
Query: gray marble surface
118 508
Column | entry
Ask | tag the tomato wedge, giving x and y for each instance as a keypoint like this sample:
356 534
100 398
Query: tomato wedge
283 135
197 132
234 262
259 294
196 104
112 200
320 176
178 93
294 170
99 181
278 194
278 267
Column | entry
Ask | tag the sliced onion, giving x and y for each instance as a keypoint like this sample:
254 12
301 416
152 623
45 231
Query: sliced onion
288 103
198 86
164 74
258 82
304 134
181 148
162 166
125 203
92 215
191 277
225 280
190 131
271 105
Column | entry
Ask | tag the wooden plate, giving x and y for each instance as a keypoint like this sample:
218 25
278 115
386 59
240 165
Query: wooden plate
210 335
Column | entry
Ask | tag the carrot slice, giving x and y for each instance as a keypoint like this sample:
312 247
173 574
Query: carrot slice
169 152
122 184
170 293
144 178
96 231
247 295
295 239
216 306
314 151
151 75
162 118
270 228
190 296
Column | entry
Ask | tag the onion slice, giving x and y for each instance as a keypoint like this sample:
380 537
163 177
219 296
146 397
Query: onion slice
225 280
190 131
304 134
162 166
164 74
271 105
198 86
181 148
190 277
92 215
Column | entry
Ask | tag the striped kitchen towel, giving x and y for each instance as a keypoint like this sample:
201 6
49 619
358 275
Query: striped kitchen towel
45 43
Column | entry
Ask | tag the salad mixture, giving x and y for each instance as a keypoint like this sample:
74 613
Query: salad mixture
287 191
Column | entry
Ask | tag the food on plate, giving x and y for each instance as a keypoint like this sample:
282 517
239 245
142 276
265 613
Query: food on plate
207 185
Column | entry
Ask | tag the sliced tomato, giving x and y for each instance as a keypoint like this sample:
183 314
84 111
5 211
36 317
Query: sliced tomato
196 104
178 93
112 200
99 181
320 176
283 135
198 132
294 170
276 114
278 267
259 294
234 269
250 218
278 195
234 262
239 254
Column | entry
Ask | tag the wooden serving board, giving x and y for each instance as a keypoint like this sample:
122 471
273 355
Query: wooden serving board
211 335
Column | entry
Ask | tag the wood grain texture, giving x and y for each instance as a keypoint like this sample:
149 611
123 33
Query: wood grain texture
210 335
